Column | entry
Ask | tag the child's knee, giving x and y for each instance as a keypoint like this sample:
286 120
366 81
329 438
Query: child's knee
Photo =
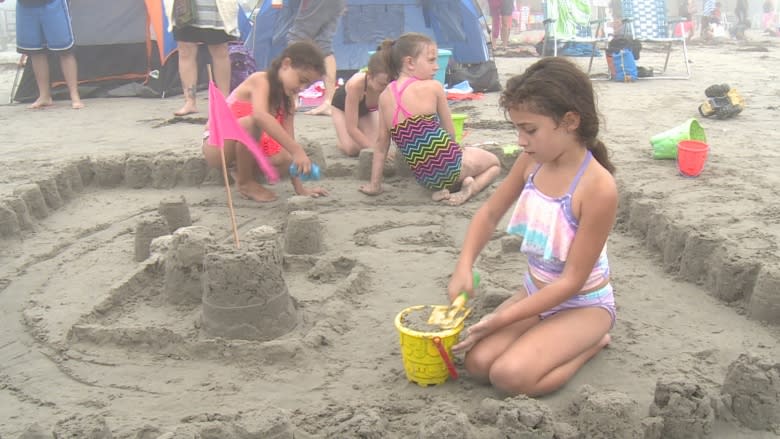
350 149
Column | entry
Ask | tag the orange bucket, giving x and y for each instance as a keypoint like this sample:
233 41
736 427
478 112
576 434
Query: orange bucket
691 156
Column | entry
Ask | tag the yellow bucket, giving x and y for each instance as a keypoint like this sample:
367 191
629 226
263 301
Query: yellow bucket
457 120
424 363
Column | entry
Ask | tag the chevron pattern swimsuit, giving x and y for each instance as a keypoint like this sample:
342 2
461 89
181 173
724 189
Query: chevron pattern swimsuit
433 156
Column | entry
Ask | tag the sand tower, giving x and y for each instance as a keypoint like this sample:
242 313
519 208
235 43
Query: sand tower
184 264
244 293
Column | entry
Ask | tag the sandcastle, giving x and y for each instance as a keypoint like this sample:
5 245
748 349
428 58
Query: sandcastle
312 318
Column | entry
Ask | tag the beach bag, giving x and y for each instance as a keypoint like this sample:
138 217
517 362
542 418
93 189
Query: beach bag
617 44
625 66
185 13
482 77
242 63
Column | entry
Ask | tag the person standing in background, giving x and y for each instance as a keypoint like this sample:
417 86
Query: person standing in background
215 23
501 21
44 26
741 11
768 22
317 20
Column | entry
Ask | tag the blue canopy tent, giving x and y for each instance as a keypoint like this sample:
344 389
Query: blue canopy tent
456 25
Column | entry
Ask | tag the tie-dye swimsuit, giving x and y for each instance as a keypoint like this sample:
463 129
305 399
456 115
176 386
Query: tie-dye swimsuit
548 227
433 156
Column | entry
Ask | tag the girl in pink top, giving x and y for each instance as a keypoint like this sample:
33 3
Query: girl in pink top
565 204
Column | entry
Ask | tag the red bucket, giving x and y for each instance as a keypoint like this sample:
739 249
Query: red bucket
691 156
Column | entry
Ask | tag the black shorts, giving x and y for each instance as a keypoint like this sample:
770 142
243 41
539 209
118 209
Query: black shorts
192 34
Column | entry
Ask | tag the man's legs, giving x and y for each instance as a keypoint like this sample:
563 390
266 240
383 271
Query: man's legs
70 72
40 62
188 73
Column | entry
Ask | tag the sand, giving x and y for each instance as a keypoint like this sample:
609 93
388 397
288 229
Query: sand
101 341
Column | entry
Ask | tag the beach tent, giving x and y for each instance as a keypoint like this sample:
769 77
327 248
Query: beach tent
123 48
456 25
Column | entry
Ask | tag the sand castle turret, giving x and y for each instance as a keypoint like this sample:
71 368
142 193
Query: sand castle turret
751 391
683 410
146 230
176 213
245 295
304 233
184 264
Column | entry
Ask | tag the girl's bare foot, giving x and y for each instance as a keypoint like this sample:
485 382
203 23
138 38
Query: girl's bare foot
255 191
40 104
441 195
370 189
314 192
188 108
465 192
77 105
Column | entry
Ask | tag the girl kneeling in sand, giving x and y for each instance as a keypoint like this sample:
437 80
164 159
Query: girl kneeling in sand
412 111
354 106
264 106
566 204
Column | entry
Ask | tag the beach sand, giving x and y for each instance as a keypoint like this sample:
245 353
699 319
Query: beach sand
96 344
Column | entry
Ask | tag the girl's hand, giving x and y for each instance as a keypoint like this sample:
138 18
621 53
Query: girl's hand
474 333
461 280
302 162
371 189
314 192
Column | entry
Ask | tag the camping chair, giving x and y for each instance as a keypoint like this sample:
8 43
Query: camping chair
569 21
19 69
646 21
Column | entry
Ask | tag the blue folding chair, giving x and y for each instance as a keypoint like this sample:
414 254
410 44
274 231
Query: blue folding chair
646 21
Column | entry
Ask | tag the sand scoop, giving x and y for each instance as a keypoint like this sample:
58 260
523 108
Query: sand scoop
450 316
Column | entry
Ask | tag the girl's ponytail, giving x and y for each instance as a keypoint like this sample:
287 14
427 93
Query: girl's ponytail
599 151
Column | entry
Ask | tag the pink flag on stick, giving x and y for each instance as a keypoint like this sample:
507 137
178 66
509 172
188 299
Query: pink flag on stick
223 126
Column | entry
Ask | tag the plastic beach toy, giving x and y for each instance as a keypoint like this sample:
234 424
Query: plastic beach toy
427 356
691 156
313 175
665 144
457 120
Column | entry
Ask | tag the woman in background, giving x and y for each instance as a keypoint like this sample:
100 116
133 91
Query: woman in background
215 23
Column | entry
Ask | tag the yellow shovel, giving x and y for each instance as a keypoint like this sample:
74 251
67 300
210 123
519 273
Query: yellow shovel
448 317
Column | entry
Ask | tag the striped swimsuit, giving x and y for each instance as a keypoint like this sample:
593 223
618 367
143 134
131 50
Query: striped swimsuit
433 156
548 227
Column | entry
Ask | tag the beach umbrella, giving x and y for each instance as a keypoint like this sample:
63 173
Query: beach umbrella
223 126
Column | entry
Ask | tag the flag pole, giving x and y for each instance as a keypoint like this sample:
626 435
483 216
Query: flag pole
227 183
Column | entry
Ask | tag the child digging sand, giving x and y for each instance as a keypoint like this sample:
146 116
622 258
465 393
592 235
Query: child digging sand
412 111
354 106
264 106
565 205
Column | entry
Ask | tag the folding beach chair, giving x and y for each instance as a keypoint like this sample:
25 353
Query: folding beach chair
569 21
646 21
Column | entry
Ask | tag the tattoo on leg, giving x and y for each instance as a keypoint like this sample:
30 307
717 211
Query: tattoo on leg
190 91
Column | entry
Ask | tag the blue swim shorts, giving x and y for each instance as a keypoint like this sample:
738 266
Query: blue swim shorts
44 26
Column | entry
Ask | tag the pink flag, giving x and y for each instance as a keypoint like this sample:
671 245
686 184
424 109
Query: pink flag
223 126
